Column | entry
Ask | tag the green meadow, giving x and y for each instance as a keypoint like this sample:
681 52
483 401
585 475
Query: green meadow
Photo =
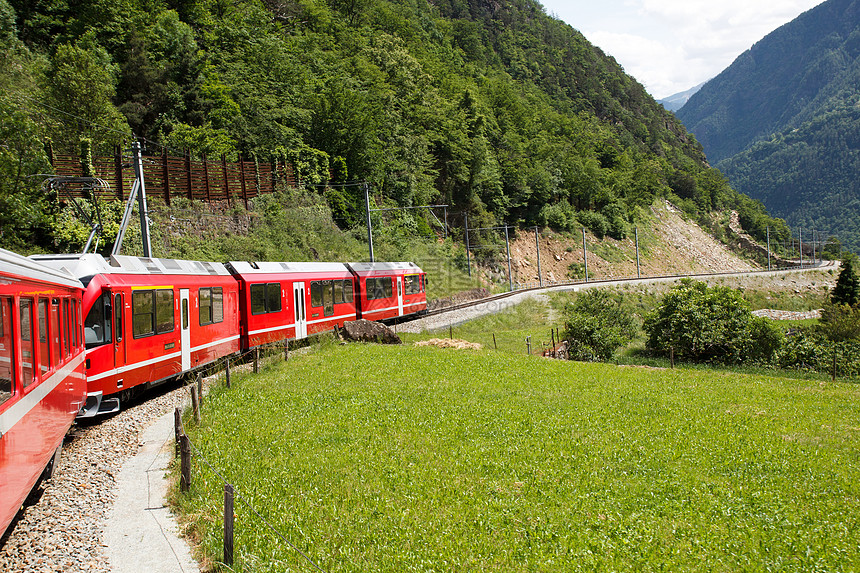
372 458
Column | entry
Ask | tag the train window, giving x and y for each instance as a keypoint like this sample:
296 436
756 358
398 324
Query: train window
67 336
6 349
258 299
44 349
273 297
142 313
347 290
211 305
28 374
164 321
328 297
117 316
56 334
74 324
379 288
316 293
411 284
218 304
338 292
97 327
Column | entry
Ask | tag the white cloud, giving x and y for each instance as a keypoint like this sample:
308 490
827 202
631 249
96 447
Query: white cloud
672 45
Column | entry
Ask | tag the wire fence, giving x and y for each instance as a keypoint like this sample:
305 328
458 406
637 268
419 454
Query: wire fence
186 448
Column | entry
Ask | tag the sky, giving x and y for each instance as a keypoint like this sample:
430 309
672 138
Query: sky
673 45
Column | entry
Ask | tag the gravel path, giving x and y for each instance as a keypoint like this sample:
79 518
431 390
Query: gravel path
63 530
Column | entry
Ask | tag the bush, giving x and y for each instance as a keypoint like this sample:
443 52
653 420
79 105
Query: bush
709 324
596 325
840 322
594 222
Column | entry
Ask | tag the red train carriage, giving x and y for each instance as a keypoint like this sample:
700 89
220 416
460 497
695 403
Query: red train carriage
389 290
42 383
148 320
292 300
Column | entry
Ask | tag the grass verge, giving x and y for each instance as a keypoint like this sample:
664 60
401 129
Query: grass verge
376 458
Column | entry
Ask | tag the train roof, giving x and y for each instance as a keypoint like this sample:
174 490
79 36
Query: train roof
383 266
90 264
268 267
13 263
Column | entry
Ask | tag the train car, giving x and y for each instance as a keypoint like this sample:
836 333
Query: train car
389 290
42 379
149 320
281 301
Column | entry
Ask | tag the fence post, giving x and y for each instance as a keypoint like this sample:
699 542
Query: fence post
228 372
177 427
529 345
451 332
200 388
228 524
495 347
185 463
286 350
671 356
195 404
256 360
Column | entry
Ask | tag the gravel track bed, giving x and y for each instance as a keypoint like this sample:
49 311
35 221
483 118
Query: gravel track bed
63 530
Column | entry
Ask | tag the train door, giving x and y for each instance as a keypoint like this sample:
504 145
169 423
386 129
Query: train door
185 335
299 310
119 354
399 296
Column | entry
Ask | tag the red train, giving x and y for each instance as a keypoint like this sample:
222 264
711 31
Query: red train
42 379
80 334
149 320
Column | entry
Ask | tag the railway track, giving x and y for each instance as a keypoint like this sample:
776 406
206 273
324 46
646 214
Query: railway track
575 285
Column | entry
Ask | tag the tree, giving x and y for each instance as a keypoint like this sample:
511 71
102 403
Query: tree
709 324
847 289
596 325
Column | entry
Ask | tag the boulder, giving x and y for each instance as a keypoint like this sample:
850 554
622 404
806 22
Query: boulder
366 331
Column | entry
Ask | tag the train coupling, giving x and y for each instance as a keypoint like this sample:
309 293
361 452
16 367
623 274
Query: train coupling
97 405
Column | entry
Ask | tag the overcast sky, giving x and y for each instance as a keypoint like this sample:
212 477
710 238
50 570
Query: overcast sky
673 45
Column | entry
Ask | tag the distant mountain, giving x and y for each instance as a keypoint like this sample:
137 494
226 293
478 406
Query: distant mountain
783 122
677 101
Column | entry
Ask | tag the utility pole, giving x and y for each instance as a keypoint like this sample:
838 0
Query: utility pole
537 244
768 248
584 254
369 227
138 191
800 242
468 255
508 248
638 271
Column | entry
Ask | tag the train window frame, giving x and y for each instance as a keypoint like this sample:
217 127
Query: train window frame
381 286
67 337
26 329
316 294
104 333
217 305
161 312
7 336
56 315
45 364
117 316
204 306
266 298
348 291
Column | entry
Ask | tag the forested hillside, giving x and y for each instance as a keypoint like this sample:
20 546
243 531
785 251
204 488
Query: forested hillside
495 109
783 123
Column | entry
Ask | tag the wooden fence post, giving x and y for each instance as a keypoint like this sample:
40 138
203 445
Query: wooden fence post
195 405
185 463
228 372
529 345
228 524
286 350
671 357
257 360
200 388
494 342
177 427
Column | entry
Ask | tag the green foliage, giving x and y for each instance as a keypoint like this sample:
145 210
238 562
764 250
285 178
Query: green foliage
704 323
847 289
840 322
596 324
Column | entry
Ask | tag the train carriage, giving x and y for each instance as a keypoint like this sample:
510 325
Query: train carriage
42 378
292 300
149 320
389 290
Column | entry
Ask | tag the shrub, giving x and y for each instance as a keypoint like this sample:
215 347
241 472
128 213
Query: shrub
596 325
709 324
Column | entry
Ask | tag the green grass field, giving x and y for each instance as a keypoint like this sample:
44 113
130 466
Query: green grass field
373 458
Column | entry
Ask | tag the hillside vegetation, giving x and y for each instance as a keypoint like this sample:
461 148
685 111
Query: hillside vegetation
495 109
782 122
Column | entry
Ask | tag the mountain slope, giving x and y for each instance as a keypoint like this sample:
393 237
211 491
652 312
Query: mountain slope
677 101
783 124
